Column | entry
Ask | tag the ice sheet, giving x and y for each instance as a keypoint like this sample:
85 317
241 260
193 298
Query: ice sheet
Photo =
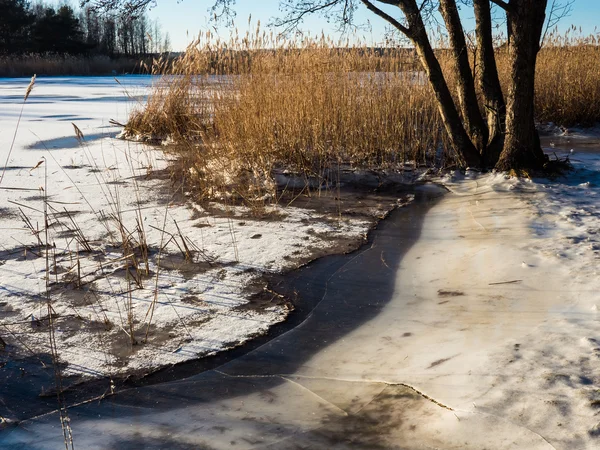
190 299
469 322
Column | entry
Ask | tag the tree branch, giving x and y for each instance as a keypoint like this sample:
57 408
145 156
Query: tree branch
558 11
502 4
389 2
297 10
127 7
385 16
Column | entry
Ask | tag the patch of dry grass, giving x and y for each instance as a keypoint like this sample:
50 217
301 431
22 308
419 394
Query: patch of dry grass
568 81
52 64
256 104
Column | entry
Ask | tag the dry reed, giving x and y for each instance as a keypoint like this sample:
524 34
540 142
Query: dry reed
256 104
568 80
56 64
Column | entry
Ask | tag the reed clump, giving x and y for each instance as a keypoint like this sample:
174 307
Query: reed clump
254 105
178 106
568 80
258 103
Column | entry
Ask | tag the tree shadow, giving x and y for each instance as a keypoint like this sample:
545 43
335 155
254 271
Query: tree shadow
66 142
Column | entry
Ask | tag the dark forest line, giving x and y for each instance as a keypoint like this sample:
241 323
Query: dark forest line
60 40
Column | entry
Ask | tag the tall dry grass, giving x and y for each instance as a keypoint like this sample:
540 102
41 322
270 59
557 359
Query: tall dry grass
244 108
568 80
258 103
55 64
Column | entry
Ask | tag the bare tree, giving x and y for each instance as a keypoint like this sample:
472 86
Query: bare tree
508 138
504 136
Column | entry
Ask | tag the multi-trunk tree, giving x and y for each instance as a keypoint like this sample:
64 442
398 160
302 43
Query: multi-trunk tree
497 132
501 131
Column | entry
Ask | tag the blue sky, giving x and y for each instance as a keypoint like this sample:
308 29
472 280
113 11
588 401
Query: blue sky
183 19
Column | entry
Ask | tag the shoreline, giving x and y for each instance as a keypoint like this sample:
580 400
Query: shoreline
540 236
277 283
475 342
117 237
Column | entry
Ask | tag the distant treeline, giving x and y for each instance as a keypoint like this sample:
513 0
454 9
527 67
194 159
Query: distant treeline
45 29
354 59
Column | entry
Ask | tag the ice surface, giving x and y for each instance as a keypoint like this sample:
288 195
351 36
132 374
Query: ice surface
469 321
179 306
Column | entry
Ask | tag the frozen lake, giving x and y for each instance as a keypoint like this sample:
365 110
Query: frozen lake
139 277
469 319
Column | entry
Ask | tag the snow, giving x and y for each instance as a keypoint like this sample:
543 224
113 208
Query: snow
489 339
189 300
483 334
542 372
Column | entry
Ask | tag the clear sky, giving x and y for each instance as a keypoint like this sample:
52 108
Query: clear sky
183 19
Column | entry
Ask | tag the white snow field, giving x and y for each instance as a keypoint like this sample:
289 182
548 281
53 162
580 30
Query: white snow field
470 322
109 317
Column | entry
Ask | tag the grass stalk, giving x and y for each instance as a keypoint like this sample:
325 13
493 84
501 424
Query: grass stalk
12 144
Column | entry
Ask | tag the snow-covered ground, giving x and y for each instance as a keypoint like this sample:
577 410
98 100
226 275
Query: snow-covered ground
138 276
482 333
475 326
536 362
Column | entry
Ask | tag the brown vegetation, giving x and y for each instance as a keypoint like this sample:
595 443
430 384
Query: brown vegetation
54 64
568 81
240 111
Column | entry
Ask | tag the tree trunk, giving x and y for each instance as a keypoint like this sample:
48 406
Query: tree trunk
489 83
522 149
474 123
459 140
